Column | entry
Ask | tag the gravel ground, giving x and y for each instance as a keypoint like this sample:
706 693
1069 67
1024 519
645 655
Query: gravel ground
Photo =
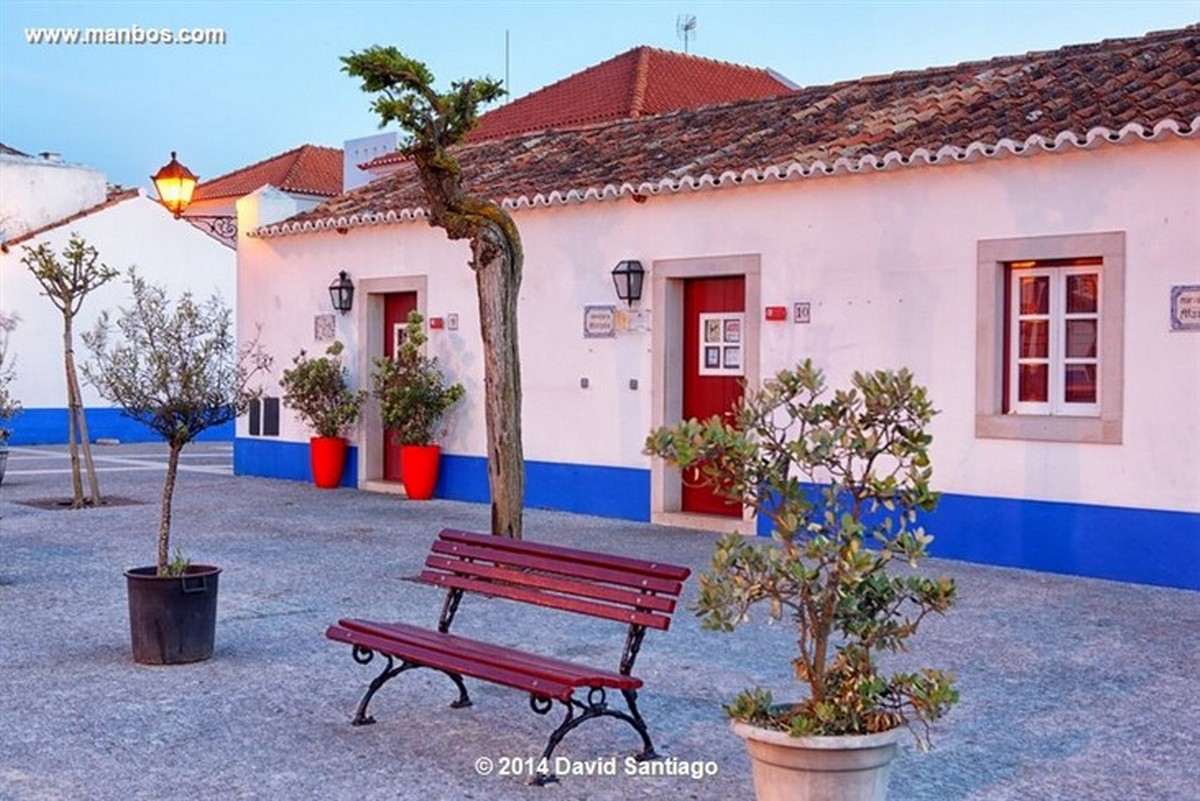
1071 688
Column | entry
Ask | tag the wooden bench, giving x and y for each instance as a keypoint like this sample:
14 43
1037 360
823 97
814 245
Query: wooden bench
637 593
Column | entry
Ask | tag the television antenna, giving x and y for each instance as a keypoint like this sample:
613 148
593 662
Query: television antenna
685 28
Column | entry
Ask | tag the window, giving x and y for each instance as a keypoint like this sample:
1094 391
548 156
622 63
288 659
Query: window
1050 338
1054 323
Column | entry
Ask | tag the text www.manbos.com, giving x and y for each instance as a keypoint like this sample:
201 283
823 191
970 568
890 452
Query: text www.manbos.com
132 34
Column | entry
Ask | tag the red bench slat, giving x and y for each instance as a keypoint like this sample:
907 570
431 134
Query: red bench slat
441 660
563 554
553 564
539 580
593 608
485 653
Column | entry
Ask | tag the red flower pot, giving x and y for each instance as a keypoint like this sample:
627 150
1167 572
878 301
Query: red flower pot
419 470
327 457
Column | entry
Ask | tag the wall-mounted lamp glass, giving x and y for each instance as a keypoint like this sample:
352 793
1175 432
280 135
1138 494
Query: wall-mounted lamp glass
341 293
628 277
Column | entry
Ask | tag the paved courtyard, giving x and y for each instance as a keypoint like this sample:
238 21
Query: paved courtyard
1071 688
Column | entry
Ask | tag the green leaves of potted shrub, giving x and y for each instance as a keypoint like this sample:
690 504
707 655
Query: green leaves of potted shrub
413 401
841 478
176 368
319 391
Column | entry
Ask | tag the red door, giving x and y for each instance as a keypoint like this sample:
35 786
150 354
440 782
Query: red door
713 368
396 307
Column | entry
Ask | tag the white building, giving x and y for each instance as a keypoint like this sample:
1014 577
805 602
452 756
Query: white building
47 201
914 220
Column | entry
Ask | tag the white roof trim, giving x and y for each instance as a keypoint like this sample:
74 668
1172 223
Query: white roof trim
791 170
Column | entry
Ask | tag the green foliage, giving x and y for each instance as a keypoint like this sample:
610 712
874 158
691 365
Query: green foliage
431 120
179 564
319 391
175 368
10 407
412 392
833 474
68 282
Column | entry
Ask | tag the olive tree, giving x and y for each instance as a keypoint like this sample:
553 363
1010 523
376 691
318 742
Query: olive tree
68 283
176 368
433 122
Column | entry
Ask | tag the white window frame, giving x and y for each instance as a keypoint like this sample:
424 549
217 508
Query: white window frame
994 417
1056 359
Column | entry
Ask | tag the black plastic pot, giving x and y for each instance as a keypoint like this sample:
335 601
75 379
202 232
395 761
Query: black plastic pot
172 620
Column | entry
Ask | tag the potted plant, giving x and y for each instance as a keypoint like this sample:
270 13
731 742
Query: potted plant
319 391
176 369
413 401
9 406
841 479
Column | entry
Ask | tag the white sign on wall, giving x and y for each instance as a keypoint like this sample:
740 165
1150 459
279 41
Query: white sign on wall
599 322
1185 308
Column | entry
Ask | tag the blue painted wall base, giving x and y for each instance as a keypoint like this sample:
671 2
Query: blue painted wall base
49 427
1146 546
287 460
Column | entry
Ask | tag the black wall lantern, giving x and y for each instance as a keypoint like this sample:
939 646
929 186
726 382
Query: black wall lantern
341 293
628 277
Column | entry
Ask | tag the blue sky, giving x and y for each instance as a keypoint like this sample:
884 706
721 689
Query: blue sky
276 84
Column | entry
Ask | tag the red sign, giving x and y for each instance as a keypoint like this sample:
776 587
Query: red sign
777 312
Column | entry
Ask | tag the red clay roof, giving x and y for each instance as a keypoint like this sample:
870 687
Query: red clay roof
308 169
637 83
1078 96
114 196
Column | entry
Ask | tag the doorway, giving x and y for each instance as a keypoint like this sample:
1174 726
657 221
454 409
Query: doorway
396 306
705 344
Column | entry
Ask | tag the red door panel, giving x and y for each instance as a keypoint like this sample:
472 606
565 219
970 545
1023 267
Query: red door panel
396 307
706 395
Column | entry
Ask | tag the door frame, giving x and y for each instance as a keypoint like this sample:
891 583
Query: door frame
369 319
667 277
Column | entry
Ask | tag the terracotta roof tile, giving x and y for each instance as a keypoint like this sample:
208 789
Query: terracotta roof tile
1039 102
308 169
637 83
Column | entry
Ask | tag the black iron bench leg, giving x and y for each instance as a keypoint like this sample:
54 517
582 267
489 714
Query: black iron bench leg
596 707
391 671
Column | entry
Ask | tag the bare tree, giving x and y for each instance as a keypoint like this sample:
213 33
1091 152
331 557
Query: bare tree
67 283
433 123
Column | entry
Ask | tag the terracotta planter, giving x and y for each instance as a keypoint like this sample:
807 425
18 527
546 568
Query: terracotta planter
327 456
419 470
846 768
172 620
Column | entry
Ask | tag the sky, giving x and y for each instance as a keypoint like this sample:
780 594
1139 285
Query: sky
275 83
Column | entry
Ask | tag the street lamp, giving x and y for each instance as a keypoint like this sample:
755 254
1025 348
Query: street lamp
175 184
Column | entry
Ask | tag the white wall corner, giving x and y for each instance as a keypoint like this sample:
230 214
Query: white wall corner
264 206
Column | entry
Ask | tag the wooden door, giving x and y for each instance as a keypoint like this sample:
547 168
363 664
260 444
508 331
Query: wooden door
713 367
396 307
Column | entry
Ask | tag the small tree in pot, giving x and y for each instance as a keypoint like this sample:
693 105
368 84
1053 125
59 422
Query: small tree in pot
177 369
319 391
841 479
413 402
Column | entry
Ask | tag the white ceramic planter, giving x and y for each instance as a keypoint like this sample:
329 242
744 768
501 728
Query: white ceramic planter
844 768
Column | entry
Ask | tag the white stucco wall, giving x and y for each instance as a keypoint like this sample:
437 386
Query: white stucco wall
888 262
136 232
35 191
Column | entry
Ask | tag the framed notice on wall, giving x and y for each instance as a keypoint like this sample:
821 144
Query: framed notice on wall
721 344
